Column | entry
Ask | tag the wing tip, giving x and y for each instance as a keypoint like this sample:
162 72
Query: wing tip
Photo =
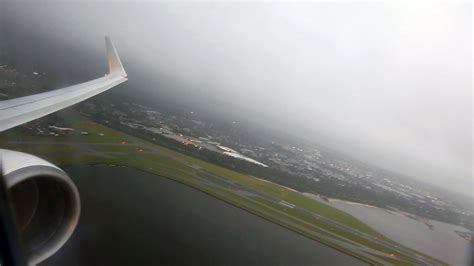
113 59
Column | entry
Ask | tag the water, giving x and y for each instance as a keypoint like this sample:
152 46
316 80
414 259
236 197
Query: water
134 218
441 242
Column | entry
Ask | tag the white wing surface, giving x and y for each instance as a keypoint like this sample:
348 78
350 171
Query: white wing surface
17 111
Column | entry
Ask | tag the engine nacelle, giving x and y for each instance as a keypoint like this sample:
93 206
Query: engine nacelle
45 203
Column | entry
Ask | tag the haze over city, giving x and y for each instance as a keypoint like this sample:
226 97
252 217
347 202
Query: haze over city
388 84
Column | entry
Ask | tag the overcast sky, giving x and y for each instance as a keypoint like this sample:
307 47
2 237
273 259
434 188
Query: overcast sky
390 84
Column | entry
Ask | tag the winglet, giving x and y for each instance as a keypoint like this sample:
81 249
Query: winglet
115 65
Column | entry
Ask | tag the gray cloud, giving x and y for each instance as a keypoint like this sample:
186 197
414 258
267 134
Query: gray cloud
389 84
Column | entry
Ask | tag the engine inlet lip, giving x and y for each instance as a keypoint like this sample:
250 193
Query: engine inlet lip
72 216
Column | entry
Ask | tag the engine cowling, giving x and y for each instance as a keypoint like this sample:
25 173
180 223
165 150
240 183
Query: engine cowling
45 202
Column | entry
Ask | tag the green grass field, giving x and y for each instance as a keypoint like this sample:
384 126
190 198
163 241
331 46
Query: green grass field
103 146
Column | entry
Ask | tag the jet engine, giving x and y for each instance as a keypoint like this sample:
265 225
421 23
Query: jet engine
45 203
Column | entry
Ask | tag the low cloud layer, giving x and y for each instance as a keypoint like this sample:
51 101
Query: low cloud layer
389 84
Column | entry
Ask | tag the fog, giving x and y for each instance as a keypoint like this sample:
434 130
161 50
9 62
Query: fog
390 84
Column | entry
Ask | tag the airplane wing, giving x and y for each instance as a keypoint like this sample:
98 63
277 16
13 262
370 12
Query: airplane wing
17 111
